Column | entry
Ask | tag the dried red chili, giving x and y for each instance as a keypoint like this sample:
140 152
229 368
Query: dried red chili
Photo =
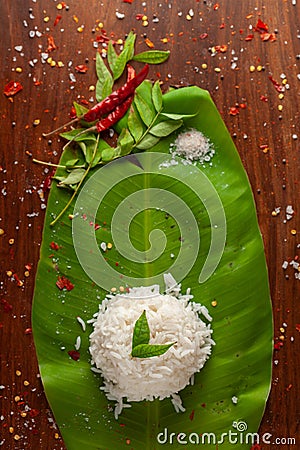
64 283
74 354
117 97
12 88
114 116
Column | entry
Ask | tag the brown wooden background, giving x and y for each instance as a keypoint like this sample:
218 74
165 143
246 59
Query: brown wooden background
266 132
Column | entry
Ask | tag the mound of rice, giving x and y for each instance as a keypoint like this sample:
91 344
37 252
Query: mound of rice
172 317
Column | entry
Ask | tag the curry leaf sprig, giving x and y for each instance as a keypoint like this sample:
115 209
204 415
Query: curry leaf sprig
135 111
140 340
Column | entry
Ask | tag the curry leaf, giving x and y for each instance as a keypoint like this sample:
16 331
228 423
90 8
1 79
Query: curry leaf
125 142
147 114
111 56
165 128
77 135
108 154
120 63
150 350
141 331
129 44
152 56
73 178
147 142
80 109
157 96
105 79
135 124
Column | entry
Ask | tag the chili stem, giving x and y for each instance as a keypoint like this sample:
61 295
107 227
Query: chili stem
61 127
79 184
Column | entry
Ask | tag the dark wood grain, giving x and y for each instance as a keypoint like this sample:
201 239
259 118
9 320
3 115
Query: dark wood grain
267 140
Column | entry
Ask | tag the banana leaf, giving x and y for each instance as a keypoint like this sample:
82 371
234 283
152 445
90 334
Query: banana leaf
225 405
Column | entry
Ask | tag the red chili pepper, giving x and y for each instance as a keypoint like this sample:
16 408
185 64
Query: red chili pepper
117 97
114 116
12 88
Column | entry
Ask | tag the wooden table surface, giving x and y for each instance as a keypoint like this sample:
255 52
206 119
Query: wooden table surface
252 74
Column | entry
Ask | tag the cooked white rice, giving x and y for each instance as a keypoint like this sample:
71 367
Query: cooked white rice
172 317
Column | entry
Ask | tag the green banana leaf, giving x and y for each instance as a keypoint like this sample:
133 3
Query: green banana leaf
225 405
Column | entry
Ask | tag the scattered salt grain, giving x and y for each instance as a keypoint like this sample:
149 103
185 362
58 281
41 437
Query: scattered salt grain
234 400
193 146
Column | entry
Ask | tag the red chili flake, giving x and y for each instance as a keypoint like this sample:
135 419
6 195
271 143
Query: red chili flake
263 98
127 1
7 307
47 181
73 114
12 88
222 26
74 354
243 105
83 101
51 44
149 43
63 4
268 37
81 68
220 48
234 111
16 277
249 37
64 283
191 416
261 27
203 36
58 18
139 16
278 345
28 331
278 86
263 146
34 412
298 327
216 6
54 246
